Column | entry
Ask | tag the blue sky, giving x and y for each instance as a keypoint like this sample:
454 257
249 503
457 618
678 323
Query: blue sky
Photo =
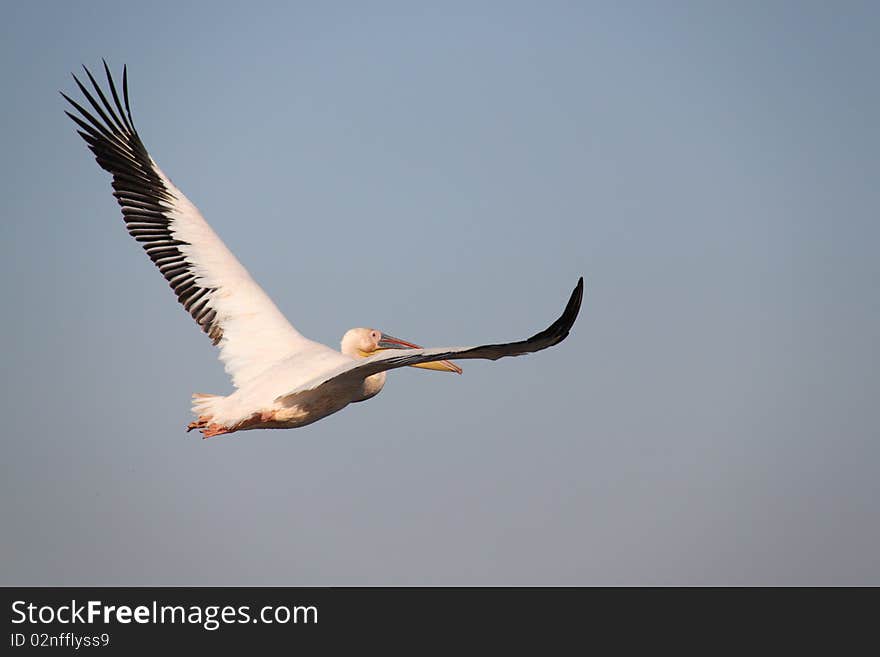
710 169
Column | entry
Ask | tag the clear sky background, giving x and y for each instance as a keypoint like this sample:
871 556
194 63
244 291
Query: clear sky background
445 173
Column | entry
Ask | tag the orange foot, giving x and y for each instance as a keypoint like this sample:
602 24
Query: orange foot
210 429
215 430
198 424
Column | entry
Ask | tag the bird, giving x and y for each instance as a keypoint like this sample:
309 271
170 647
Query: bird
281 378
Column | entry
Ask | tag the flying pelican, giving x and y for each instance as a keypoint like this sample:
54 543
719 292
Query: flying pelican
282 379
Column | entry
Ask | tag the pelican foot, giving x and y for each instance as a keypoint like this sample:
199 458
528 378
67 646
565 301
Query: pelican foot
215 430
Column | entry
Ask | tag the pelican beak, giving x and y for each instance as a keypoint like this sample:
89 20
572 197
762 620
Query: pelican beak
390 342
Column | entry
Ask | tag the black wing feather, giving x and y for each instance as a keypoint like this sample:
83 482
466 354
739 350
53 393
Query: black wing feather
140 192
552 335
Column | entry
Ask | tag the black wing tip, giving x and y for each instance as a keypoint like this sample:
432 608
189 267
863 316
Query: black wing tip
558 330
572 308
579 289
123 114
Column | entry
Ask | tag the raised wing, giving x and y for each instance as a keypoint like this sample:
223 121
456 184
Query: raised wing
206 277
393 358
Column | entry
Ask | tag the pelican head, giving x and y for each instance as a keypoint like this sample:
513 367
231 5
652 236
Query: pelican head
364 342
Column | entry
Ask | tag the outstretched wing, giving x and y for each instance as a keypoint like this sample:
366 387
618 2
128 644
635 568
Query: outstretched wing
393 358
206 277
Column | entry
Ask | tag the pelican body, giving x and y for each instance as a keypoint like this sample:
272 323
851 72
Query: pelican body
281 378
265 403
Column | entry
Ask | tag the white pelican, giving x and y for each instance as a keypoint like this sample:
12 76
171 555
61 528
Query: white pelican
282 379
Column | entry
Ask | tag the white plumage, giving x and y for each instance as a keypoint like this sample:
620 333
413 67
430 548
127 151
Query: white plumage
282 378
256 335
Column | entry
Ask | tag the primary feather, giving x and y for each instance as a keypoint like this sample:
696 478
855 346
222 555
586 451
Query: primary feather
206 277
